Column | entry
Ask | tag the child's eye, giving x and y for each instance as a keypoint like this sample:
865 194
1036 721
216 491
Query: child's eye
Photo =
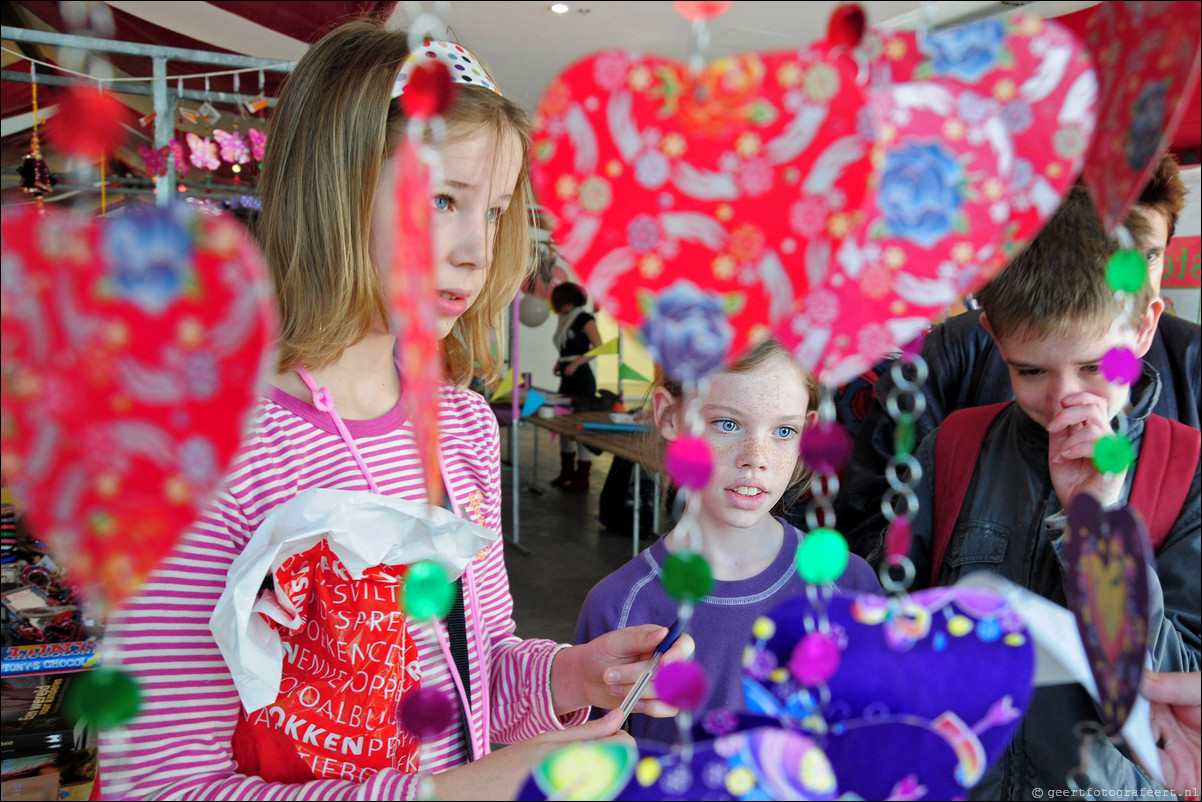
1152 256
443 202
785 432
1091 368
1029 372
725 425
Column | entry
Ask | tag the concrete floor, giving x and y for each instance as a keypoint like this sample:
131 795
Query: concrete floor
569 549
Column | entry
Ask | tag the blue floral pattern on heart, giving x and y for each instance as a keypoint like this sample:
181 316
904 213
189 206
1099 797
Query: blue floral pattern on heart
921 192
968 52
687 332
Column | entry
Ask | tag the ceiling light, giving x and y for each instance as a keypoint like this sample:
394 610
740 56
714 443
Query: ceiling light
560 8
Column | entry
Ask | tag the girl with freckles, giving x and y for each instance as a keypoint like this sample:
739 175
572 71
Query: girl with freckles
754 416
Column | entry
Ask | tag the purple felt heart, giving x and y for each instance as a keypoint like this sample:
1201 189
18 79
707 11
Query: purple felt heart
1106 558
909 689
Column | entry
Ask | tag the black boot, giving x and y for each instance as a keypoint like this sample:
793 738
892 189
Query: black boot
581 481
567 468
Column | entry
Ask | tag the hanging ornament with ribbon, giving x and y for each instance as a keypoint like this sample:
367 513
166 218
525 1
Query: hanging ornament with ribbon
36 178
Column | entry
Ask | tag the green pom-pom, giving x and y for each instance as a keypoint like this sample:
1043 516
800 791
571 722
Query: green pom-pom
822 556
102 698
428 592
687 577
1113 454
1127 271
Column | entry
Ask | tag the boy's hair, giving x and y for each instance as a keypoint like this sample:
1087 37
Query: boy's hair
333 130
762 353
567 293
1058 284
1165 192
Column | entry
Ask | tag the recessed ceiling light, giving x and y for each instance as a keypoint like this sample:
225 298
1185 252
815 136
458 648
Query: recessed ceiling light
560 8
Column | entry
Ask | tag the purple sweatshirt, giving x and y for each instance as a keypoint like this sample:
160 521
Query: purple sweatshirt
721 625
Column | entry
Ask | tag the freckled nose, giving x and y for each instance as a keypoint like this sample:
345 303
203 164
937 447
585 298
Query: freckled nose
753 452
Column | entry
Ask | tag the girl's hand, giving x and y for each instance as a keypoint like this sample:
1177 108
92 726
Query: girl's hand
601 672
1072 436
558 369
501 774
571 368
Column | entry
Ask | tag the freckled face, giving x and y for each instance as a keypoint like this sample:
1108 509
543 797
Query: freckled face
753 424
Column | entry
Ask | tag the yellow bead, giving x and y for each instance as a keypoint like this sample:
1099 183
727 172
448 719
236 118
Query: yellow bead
648 771
740 782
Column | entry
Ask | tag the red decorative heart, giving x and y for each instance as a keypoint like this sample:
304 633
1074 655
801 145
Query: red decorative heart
728 178
983 135
132 346
1148 59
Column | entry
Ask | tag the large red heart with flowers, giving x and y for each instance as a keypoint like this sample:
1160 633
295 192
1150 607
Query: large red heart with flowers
132 346
984 129
730 178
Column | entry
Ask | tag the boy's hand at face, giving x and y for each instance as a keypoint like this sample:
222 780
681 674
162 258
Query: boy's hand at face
1073 434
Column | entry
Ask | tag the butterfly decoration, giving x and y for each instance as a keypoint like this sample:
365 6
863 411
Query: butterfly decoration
181 159
204 152
234 148
258 143
156 160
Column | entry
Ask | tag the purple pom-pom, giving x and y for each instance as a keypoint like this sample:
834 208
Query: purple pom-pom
425 713
825 446
1121 366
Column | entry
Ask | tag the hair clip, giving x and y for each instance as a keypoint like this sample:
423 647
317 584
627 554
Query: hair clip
460 63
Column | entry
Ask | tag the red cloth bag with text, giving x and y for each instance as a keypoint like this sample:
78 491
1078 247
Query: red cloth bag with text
347 663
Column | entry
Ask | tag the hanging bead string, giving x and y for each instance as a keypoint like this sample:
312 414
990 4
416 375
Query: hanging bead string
820 513
905 403
1077 779
1126 272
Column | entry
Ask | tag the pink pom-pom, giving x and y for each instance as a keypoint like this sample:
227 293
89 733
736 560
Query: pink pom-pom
425 713
682 685
898 538
689 462
815 659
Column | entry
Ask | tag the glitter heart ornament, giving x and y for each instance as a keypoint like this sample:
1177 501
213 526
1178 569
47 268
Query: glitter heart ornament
763 763
897 691
132 347
1106 564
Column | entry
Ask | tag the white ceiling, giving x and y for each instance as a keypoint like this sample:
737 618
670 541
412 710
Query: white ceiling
526 45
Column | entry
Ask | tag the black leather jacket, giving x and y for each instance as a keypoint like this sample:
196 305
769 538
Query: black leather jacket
1004 527
966 370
